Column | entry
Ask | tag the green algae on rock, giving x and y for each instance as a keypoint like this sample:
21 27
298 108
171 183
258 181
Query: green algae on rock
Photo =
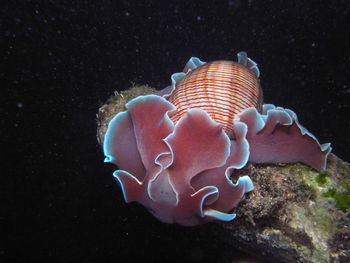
289 217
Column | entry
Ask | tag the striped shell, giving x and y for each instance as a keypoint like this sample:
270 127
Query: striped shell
221 88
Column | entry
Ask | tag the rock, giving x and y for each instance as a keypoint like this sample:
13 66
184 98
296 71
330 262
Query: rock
294 214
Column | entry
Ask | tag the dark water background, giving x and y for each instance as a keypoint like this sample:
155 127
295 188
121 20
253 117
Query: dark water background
61 59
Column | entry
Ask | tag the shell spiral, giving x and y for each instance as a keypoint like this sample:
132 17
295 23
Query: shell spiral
221 88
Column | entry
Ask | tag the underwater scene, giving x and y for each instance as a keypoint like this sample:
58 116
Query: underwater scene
180 131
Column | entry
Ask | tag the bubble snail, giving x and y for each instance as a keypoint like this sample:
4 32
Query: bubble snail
177 150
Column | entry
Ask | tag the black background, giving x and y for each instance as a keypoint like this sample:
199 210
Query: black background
61 59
